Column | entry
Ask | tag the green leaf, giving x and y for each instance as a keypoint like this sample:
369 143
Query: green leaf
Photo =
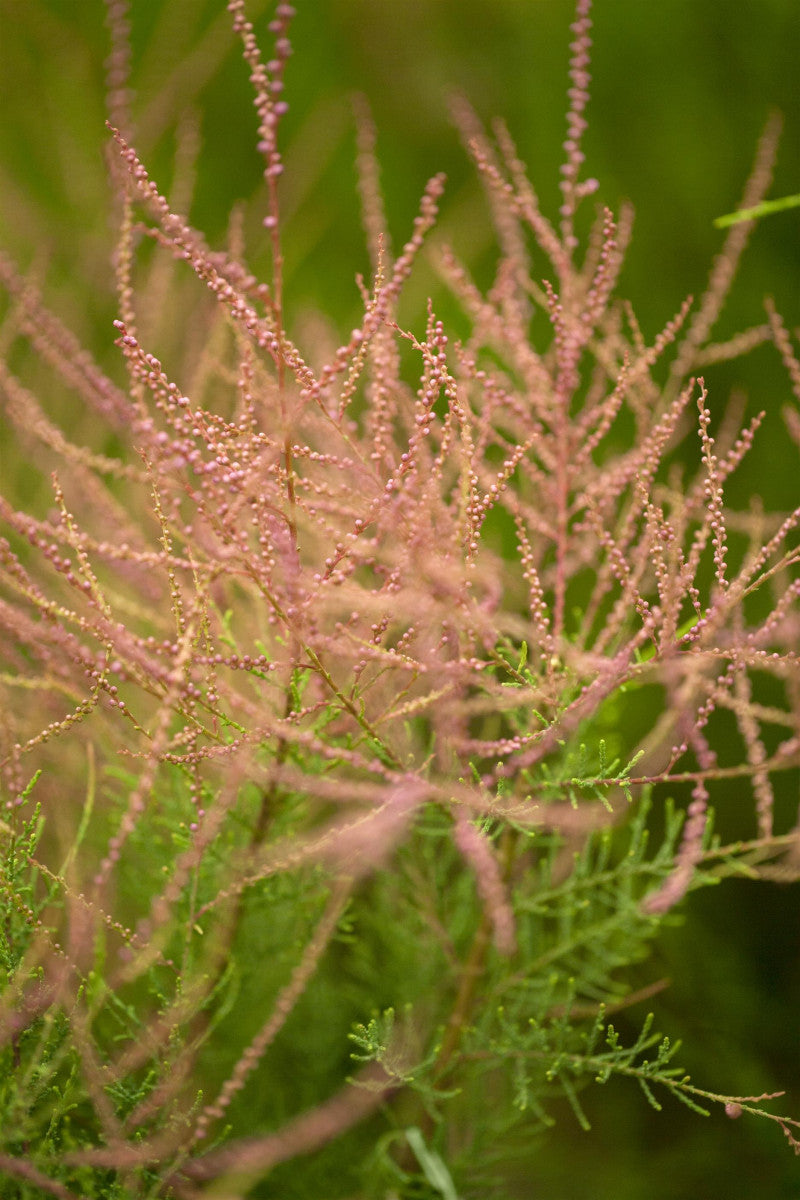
764 209
432 1165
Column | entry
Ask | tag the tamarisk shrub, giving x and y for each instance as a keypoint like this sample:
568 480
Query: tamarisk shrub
340 684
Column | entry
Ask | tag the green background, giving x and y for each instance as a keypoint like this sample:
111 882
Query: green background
681 91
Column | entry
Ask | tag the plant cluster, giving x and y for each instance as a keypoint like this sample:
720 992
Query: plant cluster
352 693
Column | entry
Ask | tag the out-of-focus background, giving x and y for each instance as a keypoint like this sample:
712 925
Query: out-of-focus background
681 92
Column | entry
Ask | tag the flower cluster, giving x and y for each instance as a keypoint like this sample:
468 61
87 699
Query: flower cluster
305 621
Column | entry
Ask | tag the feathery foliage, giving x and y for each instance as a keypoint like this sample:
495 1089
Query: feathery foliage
342 684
